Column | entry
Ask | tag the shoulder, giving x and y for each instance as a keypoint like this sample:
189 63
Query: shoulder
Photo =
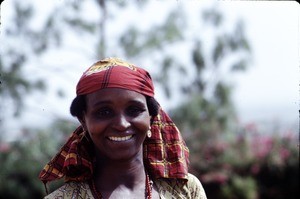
71 190
171 188
195 187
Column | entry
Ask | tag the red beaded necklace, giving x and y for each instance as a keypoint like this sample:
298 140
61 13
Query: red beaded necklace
148 189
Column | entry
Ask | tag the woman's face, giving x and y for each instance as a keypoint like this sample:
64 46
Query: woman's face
117 121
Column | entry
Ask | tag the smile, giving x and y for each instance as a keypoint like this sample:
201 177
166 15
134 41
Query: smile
120 139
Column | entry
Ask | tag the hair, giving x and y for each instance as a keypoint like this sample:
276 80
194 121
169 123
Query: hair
78 106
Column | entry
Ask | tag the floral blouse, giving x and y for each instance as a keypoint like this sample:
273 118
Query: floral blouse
168 189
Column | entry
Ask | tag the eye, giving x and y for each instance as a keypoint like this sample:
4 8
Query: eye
104 113
134 111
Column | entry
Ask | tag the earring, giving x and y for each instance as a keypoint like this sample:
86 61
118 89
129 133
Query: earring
149 133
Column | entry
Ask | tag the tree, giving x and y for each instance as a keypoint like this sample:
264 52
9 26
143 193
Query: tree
208 115
209 112
13 83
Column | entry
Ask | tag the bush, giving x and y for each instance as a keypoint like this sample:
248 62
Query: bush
22 160
250 166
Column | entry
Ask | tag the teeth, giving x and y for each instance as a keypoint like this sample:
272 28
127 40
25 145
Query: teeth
120 139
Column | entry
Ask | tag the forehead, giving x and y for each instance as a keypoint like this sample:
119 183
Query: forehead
114 95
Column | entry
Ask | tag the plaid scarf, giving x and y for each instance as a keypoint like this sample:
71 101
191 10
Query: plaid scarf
165 153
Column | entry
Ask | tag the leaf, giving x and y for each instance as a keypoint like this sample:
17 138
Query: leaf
40 85
222 93
129 42
182 70
240 65
198 58
212 16
81 25
218 51
60 93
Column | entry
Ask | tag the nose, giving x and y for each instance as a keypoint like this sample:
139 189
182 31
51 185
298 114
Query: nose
121 122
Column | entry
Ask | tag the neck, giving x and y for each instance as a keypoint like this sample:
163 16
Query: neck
128 173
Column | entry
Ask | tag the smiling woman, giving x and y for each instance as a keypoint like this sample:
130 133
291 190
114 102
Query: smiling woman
126 146
117 120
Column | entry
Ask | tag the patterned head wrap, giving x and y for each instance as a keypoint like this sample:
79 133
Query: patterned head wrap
165 153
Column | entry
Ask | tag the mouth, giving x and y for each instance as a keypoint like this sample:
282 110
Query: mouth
120 139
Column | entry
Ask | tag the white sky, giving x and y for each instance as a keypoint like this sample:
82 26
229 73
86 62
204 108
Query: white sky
269 90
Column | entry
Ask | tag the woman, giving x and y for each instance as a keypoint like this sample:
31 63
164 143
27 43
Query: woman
126 146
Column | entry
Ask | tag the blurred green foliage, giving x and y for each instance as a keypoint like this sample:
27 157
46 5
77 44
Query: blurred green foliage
23 159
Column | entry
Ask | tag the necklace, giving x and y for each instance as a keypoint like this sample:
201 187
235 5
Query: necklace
148 188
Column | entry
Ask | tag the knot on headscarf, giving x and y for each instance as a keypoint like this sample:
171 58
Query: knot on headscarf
165 153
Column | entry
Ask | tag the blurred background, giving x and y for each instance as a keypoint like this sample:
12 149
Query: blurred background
226 71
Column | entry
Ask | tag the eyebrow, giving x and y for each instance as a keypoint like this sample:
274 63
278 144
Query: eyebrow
138 102
98 103
105 102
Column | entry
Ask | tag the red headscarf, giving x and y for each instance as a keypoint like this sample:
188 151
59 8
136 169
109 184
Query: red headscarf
115 73
165 153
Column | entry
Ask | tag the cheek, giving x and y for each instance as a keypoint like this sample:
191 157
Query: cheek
93 134
94 128
143 123
96 132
